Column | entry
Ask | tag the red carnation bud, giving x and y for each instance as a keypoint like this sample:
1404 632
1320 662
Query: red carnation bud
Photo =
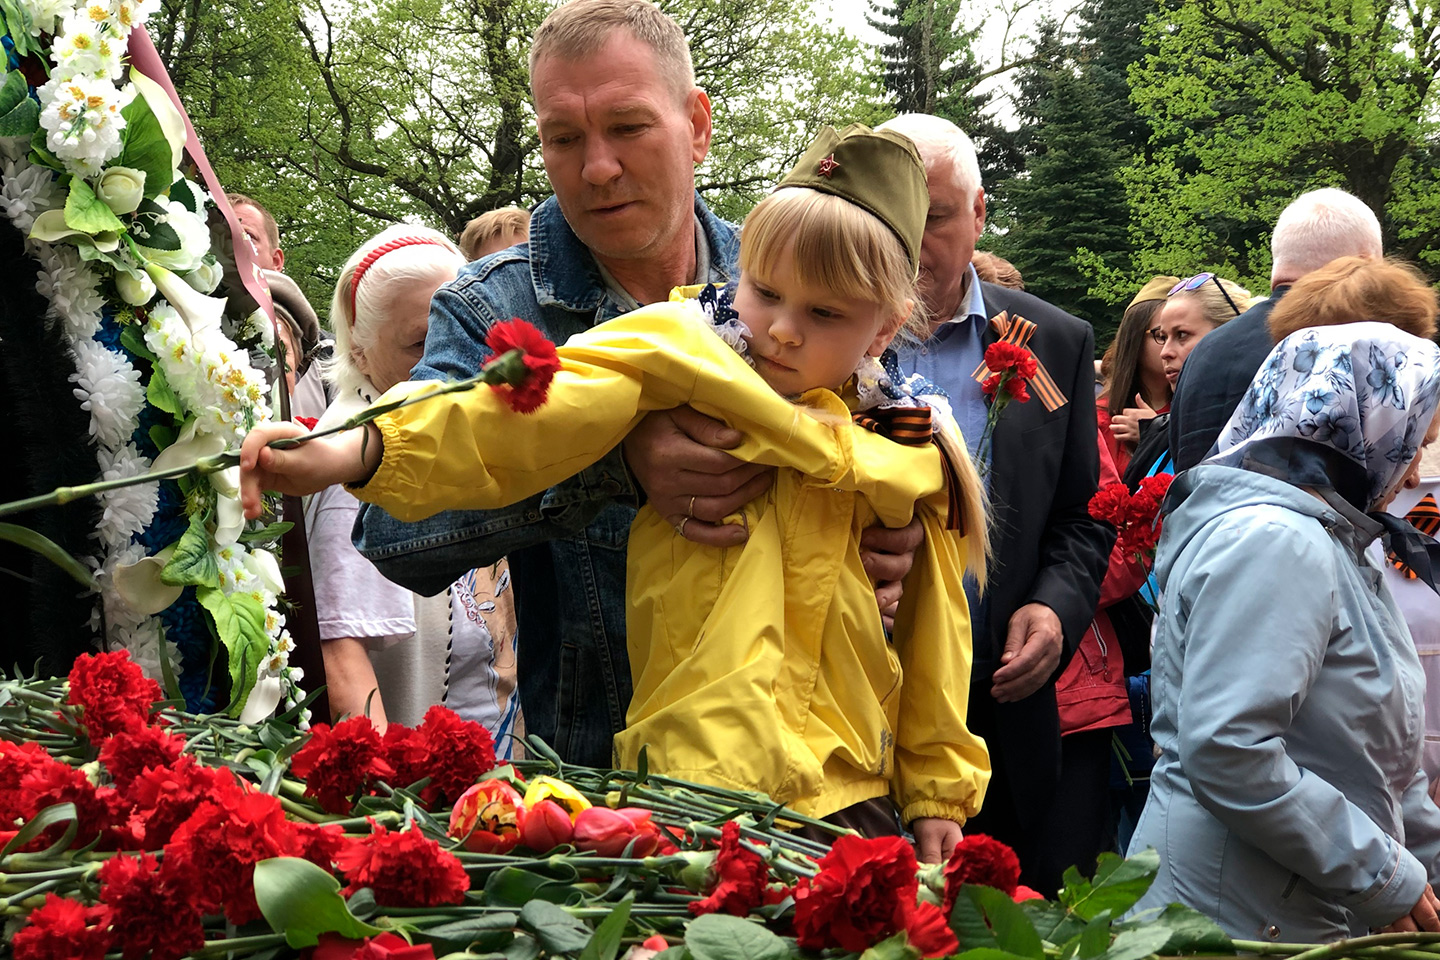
546 826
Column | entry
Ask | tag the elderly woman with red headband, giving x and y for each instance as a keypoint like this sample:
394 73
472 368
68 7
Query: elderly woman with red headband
457 647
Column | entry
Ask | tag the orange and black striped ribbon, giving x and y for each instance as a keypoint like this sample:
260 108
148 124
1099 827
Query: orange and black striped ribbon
1018 331
913 427
1425 517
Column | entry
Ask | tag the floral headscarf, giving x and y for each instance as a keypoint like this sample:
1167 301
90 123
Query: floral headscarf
1356 398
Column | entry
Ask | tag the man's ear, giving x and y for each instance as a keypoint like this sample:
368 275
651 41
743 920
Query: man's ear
979 211
889 328
700 129
279 259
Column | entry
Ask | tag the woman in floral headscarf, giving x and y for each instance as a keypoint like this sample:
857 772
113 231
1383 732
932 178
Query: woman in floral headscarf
1288 802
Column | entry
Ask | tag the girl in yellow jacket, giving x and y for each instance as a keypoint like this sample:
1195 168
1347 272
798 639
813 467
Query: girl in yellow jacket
761 667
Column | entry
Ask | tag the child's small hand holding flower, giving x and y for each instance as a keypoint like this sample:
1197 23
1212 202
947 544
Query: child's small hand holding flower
346 457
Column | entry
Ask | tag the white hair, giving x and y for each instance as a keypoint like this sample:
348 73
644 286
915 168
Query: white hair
357 315
1321 226
938 139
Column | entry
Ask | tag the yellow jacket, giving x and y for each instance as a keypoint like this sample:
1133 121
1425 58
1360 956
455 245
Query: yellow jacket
763 667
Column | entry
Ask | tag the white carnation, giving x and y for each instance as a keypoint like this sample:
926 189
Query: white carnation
45 13
108 388
145 641
86 48
129 510
73 290
28 190
82 121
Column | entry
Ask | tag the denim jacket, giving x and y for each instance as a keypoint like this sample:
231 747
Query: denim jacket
567 545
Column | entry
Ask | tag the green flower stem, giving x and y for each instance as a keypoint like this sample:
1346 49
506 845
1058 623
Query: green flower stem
18 899
62 873
215 948
303 812
508 368
1341 948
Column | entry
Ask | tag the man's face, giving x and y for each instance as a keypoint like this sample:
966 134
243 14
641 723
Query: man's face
620 148
267 255
951 228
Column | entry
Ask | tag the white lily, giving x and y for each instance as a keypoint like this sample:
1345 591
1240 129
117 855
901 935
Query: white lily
140 586
229 515
50 227
262 564
190 447
264 698
172 123
201 313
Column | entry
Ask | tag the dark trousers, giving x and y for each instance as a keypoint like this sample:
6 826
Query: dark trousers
869 818
1073 827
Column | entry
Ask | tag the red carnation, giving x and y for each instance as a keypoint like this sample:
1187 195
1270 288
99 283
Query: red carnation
99 811
541 362
307 422
339 762
128 753
1002 355
17 760
387 946
991 386
981 860
162 798
1111 504
864 893
740 877
403 869
321 844
928 932
151 914
458 752
63 929
112 693
1015 386
223 846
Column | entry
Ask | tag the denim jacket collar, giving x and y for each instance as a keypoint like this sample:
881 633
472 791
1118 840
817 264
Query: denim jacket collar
566 274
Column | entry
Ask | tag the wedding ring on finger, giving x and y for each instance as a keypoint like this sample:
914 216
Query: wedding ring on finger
690 510
680 526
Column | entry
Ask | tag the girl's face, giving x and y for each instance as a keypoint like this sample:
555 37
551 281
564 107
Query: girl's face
802 337
400 342
1179 327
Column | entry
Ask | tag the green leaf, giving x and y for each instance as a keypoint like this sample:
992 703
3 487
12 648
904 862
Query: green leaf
1095 938
897 947
719 936
267 533
472 928
149 229
1118 884
132 338
522 948
1054 923
606 942
192 563
1014 933
40 153
987 953
18 23
19 115
42 821
557 931
87 213
968 924
50 550
13 91
302 901
161 435
673 953
240 622
1190 930
161 396
181 193
145 148
1137 944
167 672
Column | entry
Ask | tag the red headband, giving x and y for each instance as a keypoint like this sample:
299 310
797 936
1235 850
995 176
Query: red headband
376 254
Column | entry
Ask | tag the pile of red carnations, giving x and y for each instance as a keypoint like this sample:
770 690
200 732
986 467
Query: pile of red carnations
131 829
1135 516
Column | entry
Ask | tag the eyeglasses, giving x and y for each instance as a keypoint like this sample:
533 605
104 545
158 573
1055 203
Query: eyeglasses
1198 281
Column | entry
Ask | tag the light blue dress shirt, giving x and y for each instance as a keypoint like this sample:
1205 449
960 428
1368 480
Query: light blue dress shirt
949 358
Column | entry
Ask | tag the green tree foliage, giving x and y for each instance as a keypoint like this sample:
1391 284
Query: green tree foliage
343 118
1255 101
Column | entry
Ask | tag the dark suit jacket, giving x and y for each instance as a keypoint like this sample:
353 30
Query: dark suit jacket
1047 548
1215 376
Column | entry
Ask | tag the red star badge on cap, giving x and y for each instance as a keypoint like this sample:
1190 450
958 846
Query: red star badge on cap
828 166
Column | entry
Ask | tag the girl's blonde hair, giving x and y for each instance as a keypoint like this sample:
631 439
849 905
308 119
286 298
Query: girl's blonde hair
836 245
1218 307
358 314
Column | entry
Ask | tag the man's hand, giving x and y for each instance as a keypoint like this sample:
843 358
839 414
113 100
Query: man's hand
1425 915
347 457
888 556
678 457
935 838
1032 651
1125 425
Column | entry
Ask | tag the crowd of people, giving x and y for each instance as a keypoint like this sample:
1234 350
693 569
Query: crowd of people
772 529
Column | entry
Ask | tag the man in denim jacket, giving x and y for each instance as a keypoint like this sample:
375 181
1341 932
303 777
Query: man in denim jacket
622 126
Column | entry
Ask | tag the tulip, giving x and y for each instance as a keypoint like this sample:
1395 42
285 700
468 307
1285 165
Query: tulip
547 825
608 832
489 817
548 788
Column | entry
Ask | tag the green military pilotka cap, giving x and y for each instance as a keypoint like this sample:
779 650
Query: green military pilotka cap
877 170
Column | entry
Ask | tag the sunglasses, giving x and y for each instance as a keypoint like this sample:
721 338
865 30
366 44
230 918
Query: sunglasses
1198 281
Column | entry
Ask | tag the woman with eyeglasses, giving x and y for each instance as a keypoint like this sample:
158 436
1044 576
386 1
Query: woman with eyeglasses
1193 308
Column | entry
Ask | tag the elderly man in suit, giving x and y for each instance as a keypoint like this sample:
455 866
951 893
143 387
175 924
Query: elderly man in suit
1049 553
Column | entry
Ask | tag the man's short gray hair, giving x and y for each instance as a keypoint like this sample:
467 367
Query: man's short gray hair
1321 226
937 139
581 28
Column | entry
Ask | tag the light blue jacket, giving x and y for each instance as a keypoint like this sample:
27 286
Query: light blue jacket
1288 803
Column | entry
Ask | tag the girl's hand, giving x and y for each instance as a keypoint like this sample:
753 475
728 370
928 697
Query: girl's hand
1126 424
935 838
307 468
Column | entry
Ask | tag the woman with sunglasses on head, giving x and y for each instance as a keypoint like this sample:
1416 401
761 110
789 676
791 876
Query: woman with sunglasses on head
1193 308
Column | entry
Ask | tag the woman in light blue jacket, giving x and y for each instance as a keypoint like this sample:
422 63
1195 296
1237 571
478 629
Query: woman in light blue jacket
1288 802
